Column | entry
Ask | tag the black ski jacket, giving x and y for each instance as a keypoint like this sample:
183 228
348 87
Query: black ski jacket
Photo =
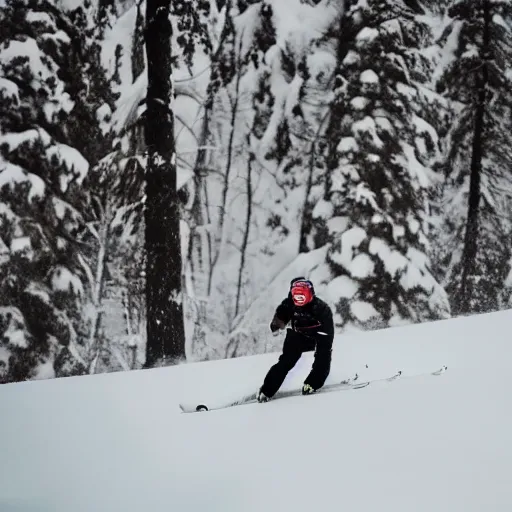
313 320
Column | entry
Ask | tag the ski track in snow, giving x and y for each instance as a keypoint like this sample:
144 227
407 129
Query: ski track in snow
118 442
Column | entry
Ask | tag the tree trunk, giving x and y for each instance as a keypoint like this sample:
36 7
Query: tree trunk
245 240
165 325
225 187
197 214
470 249
219 238
137 56
201 243
307 221
307 217
99 283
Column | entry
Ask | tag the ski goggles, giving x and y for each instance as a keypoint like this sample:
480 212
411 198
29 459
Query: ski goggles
302 293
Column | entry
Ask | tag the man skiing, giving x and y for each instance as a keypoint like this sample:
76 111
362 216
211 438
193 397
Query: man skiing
312 328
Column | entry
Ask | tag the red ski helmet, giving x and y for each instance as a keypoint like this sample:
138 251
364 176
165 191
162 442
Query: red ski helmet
302 292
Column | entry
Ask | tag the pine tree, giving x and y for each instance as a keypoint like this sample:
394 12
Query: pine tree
373 212
476 195
45 103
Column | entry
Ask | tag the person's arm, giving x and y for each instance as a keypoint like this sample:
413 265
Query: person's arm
282 315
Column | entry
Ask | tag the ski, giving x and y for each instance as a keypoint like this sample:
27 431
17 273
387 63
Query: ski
347 384
251 398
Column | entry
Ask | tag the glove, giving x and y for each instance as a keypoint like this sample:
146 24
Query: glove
276 324
307 389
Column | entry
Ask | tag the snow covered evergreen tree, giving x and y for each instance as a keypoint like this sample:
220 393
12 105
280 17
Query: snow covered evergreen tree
50 101
476 202
372 209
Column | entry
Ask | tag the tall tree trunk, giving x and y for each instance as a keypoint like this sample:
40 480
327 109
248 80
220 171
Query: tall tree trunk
225 187
104 232
197 214
137 56
165 325
234 103
470 249
307 212
245 241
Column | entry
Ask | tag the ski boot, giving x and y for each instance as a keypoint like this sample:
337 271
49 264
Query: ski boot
307 389
261 397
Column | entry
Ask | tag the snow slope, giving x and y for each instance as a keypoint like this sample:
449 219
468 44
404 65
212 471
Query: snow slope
117 442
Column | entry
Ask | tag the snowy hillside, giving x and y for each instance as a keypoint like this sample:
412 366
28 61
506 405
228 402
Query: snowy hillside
118 442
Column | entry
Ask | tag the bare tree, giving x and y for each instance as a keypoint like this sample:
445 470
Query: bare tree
307 217
95 271
247 228
234 99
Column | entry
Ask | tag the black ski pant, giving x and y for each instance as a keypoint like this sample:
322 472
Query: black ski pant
294 346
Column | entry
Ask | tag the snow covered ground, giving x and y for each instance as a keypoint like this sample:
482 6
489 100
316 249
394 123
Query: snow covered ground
118 442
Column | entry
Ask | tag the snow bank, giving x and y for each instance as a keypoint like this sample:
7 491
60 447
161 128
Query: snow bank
118 442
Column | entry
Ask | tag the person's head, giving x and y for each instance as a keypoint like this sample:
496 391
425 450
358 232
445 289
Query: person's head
302 291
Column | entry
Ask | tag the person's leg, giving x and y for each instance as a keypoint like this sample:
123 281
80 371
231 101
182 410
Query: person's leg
292 350
321 365
308 344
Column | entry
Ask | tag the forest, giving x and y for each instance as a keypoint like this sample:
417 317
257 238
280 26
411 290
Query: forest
167 166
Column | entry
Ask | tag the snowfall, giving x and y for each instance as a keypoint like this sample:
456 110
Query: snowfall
119 442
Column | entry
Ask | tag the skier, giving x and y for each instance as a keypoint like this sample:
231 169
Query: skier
312 328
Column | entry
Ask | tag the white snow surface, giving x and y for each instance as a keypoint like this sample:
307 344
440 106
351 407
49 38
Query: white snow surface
118 442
